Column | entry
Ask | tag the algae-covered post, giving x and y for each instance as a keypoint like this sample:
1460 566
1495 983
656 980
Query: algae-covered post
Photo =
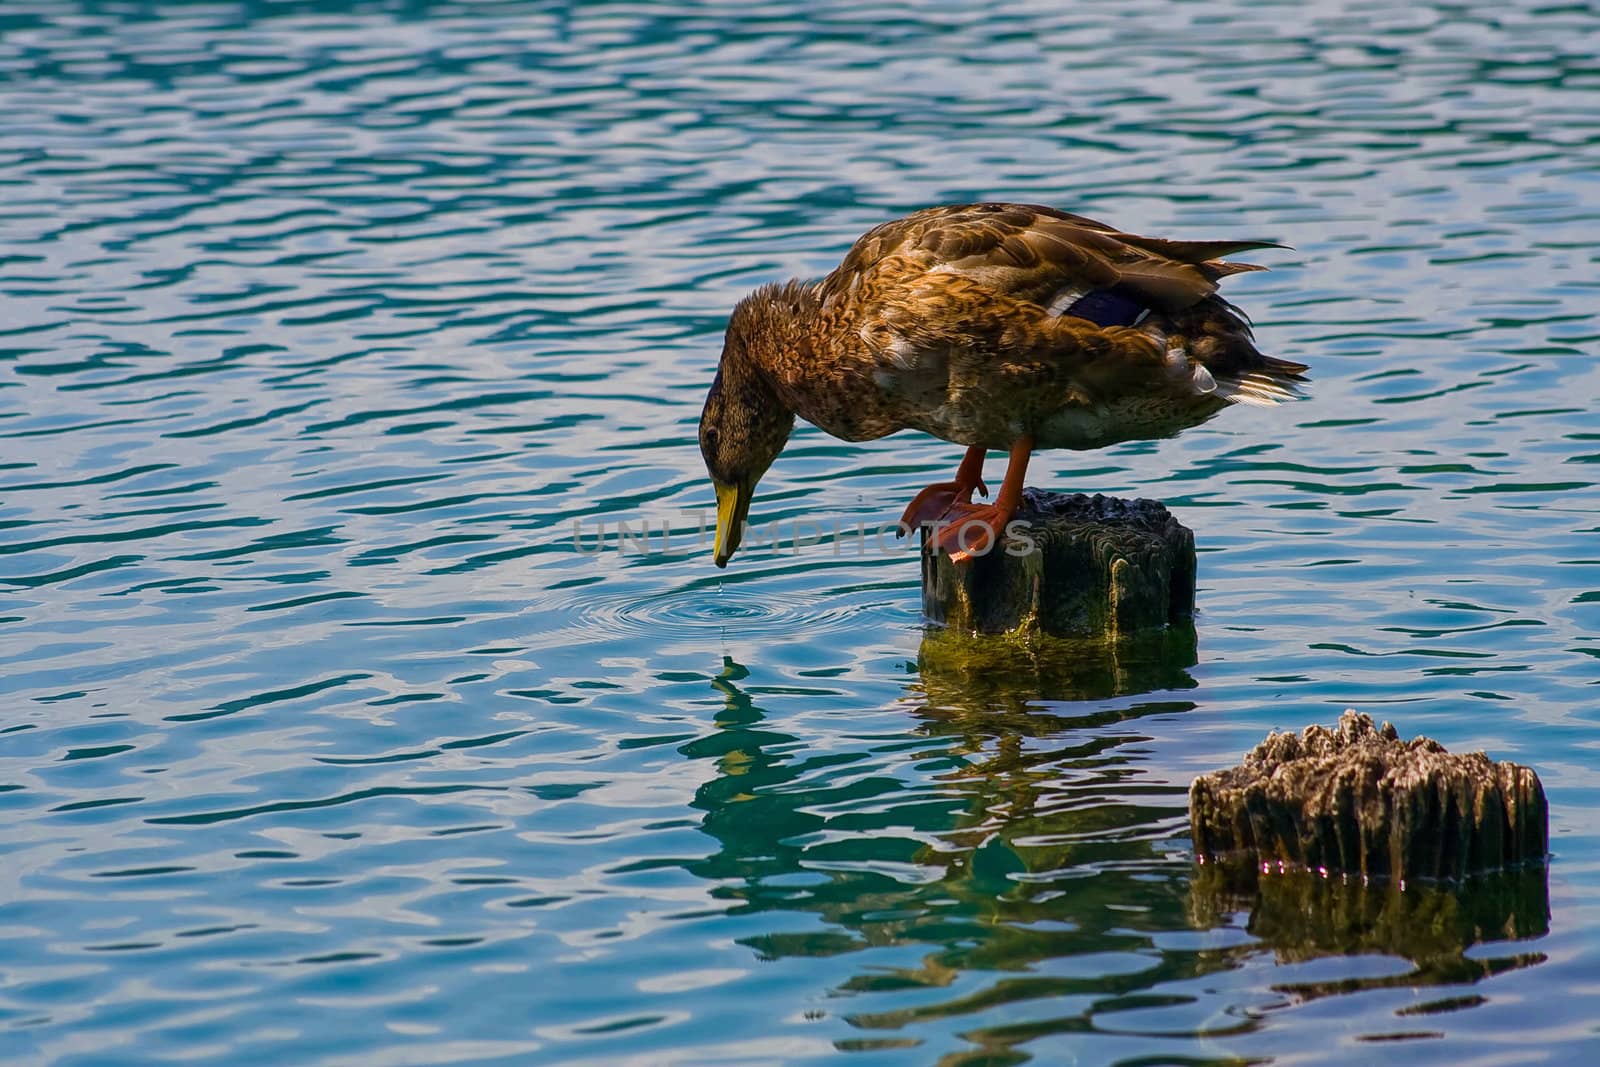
1358 800
1076 566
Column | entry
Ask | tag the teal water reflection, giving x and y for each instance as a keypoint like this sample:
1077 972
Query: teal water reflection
323 741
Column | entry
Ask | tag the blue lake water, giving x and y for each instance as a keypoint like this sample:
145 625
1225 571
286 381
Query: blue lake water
322 739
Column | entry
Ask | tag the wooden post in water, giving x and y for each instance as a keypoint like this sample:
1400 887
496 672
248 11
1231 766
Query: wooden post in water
1357 800
1084 566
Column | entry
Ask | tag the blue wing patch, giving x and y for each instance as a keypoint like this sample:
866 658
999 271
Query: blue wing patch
1107 307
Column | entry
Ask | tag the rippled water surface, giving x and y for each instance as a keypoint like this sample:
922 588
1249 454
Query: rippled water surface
324 740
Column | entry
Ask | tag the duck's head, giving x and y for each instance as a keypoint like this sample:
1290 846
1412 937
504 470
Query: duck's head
742 429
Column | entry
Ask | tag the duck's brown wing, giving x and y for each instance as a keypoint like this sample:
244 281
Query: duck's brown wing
1032 253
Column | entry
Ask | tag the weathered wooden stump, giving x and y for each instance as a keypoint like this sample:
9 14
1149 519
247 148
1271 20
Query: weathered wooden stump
1086 566
1358 800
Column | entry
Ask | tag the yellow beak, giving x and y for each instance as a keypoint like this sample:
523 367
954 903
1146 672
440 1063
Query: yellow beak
733 504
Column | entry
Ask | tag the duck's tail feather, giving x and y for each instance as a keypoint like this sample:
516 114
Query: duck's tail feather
1224 268
1197 252
1217 336
1275 381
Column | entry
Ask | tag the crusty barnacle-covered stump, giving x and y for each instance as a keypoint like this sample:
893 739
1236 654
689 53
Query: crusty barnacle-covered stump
1358 800
1098 566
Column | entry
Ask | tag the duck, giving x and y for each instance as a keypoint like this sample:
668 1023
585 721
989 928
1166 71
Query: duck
997 326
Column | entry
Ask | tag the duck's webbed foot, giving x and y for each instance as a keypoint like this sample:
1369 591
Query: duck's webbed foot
937 499
971 530
934 502
975 529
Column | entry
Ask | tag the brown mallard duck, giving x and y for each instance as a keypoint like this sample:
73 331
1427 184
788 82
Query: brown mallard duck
1006 326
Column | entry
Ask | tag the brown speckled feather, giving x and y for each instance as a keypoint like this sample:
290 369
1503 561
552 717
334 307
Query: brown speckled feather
1032 253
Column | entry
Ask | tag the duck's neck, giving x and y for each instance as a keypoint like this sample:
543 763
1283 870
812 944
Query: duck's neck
783 335
771 326
751 396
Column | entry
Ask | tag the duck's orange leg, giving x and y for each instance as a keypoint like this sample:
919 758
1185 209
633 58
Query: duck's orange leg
975 529
938 498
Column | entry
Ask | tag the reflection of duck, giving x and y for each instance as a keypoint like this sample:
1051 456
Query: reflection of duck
975 867
991 325
840 831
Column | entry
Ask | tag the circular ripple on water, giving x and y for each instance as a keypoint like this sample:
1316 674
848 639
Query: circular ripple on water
700 609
